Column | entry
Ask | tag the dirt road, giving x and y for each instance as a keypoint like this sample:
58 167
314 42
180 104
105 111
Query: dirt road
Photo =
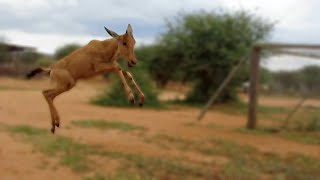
21 102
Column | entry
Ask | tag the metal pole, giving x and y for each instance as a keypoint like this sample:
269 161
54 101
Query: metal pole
295 109
219 90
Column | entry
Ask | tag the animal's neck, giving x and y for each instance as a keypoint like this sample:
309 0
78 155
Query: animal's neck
112 51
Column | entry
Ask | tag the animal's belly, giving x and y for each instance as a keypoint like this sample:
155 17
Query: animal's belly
88 75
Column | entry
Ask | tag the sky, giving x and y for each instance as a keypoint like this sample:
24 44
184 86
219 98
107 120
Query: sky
48 24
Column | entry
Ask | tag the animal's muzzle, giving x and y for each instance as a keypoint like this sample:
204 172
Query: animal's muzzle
131 63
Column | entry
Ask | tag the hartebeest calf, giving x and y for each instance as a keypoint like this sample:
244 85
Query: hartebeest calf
97 57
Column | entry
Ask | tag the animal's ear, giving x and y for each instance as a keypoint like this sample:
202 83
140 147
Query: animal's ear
112 34
129 29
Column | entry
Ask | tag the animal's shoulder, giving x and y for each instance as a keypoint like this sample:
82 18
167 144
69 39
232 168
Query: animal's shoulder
94 43
93 46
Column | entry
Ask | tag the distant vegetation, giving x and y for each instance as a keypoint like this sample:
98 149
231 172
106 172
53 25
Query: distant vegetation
202 47
18 63
65 50
304 81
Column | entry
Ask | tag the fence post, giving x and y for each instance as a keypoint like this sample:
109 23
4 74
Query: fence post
253 88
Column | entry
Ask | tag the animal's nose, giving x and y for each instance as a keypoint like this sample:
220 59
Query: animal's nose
134 62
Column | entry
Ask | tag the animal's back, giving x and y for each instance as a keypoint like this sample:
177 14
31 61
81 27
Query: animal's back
81 61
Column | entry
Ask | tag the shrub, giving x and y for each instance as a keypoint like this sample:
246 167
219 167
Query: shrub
313 124
44 62
115 95
65 50
203 47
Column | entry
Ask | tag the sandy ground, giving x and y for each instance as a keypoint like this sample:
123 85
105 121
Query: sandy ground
21 102
284 101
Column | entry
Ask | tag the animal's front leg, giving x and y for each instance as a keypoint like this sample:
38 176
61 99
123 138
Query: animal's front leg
125 85
105 67
132 81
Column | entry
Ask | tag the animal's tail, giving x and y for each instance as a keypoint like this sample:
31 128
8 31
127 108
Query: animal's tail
36 71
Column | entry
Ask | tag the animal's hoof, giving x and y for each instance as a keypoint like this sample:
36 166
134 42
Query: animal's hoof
141 104
52 130
57 124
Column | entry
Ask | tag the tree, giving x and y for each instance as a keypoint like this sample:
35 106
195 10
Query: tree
4 52
203 47
310 79
65 50
29 57
286 82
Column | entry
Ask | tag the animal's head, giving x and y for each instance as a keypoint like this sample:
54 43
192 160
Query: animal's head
126 44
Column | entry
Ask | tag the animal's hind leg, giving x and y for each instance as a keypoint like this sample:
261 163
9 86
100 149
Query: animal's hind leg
46 94
64 83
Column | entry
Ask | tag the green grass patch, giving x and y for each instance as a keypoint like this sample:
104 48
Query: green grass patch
246 162
235 108
27 130
184 103
75 155
96 176
69 152
303 137
77 162
260 130
242 108
102 124
307 120
298 136
207 147
197 124
167 141
159 166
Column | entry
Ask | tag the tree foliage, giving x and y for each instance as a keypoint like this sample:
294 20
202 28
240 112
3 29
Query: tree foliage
29 57
65 50
4 54
203 47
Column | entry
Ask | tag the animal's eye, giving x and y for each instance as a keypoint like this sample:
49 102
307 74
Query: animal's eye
124 43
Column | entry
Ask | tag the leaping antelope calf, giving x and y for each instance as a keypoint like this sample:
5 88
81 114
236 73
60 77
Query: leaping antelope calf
97 57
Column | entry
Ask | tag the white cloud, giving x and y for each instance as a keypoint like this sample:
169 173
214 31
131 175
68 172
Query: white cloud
47 24
47 43
286 62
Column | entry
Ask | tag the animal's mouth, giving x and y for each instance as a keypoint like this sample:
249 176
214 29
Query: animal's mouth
131 64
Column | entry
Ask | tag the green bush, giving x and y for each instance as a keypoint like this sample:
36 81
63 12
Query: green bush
44 62
202 47
309 123
65 50
116 96
4 53
314 124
